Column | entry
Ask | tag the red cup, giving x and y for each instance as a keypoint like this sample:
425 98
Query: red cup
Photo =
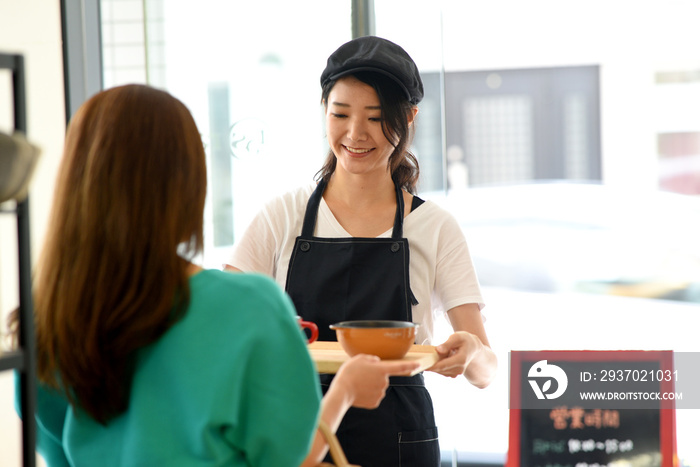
313 329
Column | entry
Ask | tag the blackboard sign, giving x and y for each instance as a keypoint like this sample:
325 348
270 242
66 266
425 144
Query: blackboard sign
554 422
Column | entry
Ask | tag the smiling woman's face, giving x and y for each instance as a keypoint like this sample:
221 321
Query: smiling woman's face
354 128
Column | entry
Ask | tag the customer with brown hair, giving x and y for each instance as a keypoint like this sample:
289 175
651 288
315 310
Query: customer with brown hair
144 358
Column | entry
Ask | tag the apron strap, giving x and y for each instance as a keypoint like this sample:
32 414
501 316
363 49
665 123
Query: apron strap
397 233
307 229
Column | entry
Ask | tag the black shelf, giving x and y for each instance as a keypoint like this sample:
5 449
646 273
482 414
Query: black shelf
23 359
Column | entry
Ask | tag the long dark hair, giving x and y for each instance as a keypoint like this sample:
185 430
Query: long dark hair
127 215
403 165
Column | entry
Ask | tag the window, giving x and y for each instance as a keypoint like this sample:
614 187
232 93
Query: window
512 95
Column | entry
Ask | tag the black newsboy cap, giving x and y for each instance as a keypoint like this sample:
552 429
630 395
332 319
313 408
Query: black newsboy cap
371 53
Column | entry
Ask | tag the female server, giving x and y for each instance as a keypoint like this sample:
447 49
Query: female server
360 245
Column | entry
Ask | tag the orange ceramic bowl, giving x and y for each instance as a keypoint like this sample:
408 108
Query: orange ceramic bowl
388 340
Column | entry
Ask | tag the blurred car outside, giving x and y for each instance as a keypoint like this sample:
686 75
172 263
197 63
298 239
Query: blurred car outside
563 236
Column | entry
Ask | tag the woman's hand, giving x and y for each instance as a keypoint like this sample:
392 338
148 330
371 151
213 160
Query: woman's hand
360 382
467 351
364 379
456 353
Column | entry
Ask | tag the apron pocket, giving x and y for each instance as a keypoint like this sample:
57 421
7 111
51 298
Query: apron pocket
419 448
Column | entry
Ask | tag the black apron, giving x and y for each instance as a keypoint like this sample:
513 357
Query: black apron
338 279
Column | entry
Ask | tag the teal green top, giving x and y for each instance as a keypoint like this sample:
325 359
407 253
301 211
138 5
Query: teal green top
231 384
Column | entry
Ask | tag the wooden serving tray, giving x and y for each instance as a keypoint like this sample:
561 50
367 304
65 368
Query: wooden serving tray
329 356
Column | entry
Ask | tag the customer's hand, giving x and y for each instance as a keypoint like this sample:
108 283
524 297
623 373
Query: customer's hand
360 382
365 378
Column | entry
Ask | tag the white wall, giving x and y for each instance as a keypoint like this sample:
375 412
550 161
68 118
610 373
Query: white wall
31 28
